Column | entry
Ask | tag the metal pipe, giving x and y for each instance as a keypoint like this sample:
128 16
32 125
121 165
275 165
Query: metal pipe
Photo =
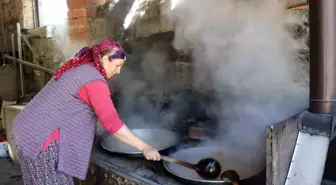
34 66
322 21
3 32
34 13
18 27
36 10
25 39
13 48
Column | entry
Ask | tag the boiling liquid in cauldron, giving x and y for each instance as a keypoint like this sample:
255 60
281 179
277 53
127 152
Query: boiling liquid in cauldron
227 161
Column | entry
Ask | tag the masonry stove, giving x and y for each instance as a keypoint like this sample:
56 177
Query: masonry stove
297 148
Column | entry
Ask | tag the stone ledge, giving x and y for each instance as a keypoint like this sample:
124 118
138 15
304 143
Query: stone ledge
42 32
107 169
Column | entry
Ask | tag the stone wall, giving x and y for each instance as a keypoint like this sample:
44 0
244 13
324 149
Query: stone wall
12 12
155 19
151 17
98 175
301 32
133 19
85 18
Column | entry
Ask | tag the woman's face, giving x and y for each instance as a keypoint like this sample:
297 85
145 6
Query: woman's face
112 67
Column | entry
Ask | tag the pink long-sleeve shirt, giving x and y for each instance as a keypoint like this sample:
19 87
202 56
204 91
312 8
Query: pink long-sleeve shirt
96 94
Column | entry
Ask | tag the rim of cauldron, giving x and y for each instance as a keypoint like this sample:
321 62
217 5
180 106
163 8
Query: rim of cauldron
213 182
138 153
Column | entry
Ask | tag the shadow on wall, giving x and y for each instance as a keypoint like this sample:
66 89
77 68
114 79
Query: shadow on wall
9 86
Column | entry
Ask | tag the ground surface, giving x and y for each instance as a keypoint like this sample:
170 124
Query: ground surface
10 174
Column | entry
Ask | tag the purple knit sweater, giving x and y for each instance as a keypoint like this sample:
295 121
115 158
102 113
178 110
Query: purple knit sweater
57 106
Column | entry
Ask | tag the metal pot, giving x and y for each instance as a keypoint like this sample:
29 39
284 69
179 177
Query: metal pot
161 139
227 160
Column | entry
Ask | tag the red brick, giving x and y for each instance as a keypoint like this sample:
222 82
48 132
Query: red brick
78 30
76 4
82 36
70 23
77 13
80 21
91 13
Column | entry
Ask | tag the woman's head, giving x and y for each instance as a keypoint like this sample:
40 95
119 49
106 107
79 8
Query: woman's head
107 57
112 57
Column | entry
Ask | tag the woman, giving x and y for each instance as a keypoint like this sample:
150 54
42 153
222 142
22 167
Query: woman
55 131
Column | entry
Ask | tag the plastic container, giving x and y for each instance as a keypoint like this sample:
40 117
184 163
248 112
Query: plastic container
2 138
3 147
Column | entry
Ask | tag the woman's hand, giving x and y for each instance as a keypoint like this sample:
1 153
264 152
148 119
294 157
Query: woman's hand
127 136
151 153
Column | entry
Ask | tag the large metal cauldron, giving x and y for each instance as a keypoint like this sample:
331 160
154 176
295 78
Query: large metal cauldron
247 172
161 139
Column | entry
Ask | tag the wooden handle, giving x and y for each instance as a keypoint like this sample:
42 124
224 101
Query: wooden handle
298 7
168 159
182 163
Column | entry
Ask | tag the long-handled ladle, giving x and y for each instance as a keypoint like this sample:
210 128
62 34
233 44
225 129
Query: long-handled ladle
207 168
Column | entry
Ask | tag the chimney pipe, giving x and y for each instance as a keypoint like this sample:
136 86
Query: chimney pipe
322 20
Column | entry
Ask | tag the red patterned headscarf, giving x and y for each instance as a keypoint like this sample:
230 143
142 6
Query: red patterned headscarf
93 55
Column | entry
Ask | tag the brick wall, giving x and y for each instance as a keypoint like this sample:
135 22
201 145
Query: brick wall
78 28
79 11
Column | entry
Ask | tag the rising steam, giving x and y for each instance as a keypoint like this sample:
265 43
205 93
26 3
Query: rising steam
54 14
242 52
143 86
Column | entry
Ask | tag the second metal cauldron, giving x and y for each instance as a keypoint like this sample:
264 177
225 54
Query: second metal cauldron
227 161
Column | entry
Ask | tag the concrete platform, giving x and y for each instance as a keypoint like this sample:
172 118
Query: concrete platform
10 173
